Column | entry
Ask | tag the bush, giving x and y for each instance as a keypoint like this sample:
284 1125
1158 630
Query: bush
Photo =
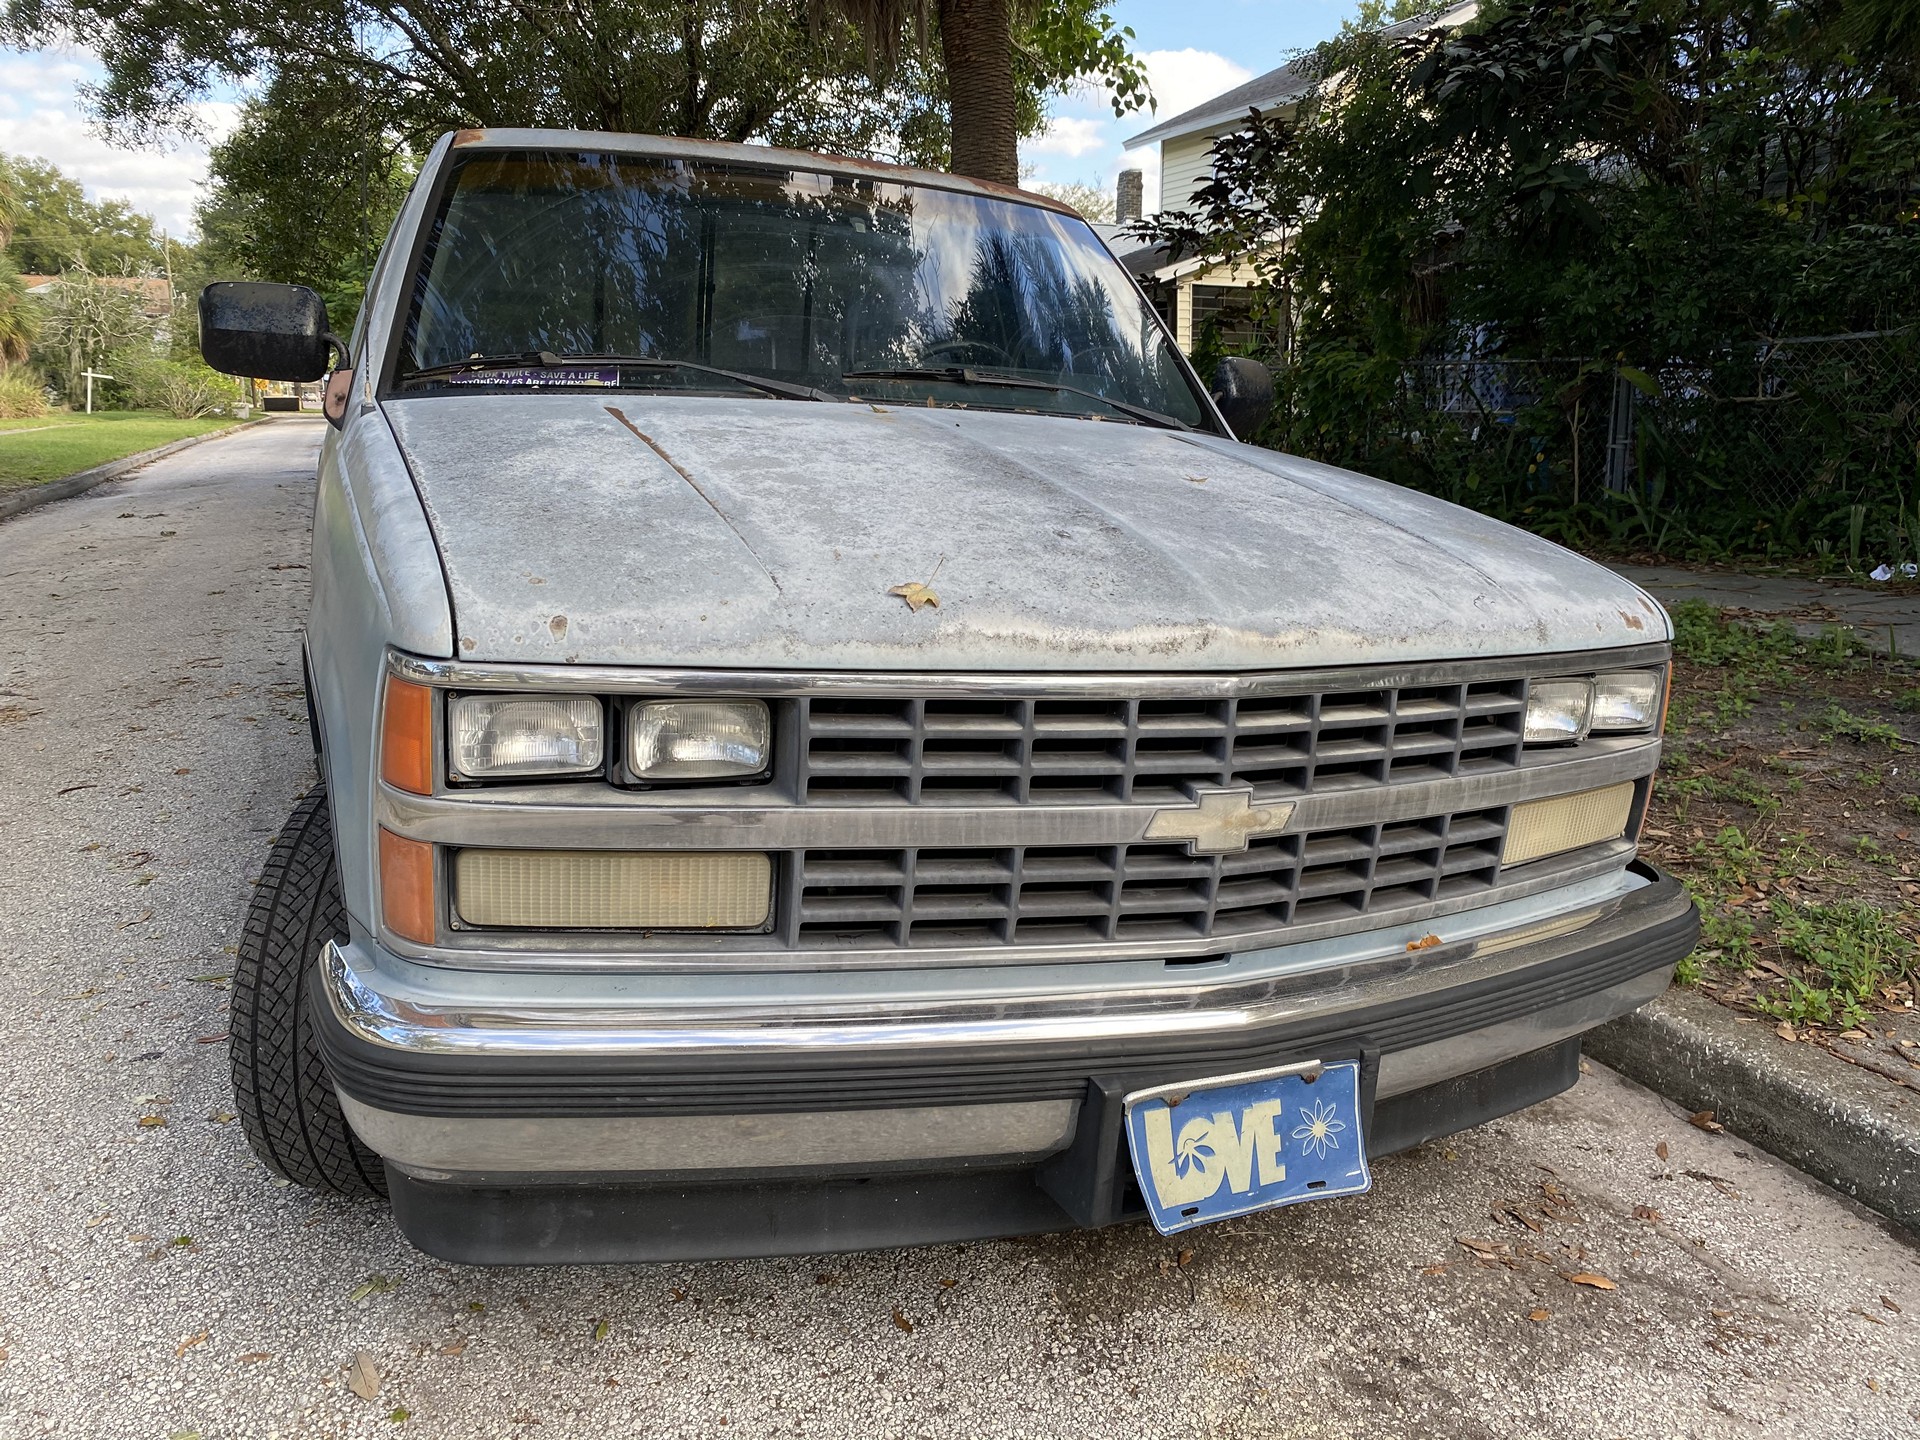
184 389
23 395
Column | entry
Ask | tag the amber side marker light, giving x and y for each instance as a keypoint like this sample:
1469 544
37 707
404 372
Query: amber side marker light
406 737
406 887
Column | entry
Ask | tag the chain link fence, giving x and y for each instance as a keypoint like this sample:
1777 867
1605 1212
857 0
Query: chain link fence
1816 423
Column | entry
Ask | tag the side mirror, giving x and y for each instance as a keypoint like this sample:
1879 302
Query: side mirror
1243 389
268 332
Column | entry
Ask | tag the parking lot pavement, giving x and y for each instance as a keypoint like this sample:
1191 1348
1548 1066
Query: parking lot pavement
1594 1267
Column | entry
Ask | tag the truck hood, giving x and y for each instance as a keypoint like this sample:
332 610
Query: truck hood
756 533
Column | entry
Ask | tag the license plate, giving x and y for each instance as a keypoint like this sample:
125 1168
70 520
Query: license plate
1234 1144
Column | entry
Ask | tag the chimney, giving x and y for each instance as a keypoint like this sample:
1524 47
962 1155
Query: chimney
1129 199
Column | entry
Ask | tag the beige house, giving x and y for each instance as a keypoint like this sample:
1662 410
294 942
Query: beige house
1190 293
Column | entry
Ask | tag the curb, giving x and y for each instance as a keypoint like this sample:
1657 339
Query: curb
1848 1129
69 485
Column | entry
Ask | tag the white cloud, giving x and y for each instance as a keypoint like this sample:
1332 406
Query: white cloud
1071 136
1182 79
40 116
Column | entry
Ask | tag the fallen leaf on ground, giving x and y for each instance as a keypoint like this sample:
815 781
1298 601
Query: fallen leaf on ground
948 1284
916 595
1538 1314
1439 1269
363 1376
902 1322
210 1039
254 1357
399 1415
1661 1150
458 1347
1587 1277
221 1117
188 1344
602 1329
152 1122
1479 1247
1887 1300
1703 1120
1186 1257
1645 1212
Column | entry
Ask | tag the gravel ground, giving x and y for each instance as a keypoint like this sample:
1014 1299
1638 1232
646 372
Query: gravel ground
155 1283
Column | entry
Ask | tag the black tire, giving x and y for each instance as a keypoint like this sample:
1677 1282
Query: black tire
281 1088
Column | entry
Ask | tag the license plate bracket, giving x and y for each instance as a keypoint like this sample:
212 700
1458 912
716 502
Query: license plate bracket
1227 1145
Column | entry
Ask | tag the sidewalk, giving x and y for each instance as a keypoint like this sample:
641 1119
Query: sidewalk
1877 615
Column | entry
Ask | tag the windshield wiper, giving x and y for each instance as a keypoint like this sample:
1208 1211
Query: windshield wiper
967 375
548 360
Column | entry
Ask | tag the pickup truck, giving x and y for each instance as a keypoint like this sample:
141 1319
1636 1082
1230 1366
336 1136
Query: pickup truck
827 740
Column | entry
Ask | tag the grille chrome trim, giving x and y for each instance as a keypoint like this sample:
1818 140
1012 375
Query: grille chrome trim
631 680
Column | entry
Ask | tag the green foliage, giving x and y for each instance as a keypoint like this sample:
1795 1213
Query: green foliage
1568 195
23 394
1854 948
55 227
1837 721
303 191
183 389
86 317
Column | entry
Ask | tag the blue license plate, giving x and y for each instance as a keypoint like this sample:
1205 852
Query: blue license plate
1239 1143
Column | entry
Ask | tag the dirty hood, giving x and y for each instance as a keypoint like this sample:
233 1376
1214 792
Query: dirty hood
755 533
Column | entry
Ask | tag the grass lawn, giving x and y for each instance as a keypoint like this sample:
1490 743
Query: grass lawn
35 451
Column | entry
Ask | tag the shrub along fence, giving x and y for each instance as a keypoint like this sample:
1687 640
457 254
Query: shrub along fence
1801 446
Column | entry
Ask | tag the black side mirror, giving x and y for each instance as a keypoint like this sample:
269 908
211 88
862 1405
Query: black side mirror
1243 389
268 332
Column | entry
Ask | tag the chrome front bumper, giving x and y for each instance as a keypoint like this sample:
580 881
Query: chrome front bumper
507 1088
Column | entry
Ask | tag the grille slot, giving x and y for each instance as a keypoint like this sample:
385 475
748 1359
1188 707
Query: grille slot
1016 751
1039 895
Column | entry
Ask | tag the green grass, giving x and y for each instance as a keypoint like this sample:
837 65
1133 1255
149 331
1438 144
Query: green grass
35 451
1854 949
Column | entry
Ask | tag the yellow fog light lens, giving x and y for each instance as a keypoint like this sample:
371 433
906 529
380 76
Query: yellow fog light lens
613 890
1566 822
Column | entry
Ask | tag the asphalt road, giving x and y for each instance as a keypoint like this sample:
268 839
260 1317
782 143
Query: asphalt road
153 1282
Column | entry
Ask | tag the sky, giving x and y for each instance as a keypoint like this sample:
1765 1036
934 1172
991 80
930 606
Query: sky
1192 50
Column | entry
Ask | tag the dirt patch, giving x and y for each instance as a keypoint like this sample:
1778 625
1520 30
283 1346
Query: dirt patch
1789 803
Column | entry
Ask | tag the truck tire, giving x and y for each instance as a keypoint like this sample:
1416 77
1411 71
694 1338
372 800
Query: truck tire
281 1088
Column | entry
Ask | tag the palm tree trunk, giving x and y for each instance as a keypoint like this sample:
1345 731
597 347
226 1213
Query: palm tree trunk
976 38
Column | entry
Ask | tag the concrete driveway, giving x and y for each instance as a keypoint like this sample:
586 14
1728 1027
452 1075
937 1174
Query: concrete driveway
154 1282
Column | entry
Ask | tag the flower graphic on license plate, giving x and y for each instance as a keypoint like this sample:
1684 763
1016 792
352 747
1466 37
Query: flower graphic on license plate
1321 1132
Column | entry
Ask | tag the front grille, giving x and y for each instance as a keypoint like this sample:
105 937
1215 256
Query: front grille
1016 751
1059 895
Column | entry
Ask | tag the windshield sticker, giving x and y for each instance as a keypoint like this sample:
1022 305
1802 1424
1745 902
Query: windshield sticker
536 376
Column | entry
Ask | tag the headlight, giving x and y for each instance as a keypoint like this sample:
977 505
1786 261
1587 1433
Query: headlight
698 739
493 736
1626 700
1558 711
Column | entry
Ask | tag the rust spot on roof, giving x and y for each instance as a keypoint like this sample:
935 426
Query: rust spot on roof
468 137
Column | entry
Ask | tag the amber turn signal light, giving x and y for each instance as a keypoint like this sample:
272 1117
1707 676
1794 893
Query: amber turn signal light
406 737
406 887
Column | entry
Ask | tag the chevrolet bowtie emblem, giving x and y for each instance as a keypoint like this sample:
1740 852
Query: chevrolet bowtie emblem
1221 823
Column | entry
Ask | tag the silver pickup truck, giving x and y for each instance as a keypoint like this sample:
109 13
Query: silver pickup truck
827 740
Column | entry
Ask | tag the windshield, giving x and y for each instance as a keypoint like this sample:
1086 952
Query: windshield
690 270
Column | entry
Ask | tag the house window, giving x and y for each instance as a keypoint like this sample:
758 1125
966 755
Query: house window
1229 309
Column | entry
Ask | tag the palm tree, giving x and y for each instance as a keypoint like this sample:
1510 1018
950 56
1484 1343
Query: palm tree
976 43
18 323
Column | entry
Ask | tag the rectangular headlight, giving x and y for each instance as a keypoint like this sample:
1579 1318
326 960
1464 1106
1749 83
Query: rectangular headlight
698 739
1558 711
495 736
1626 700
1538 828
613 890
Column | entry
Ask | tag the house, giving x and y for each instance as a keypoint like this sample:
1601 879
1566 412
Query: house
1189 293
